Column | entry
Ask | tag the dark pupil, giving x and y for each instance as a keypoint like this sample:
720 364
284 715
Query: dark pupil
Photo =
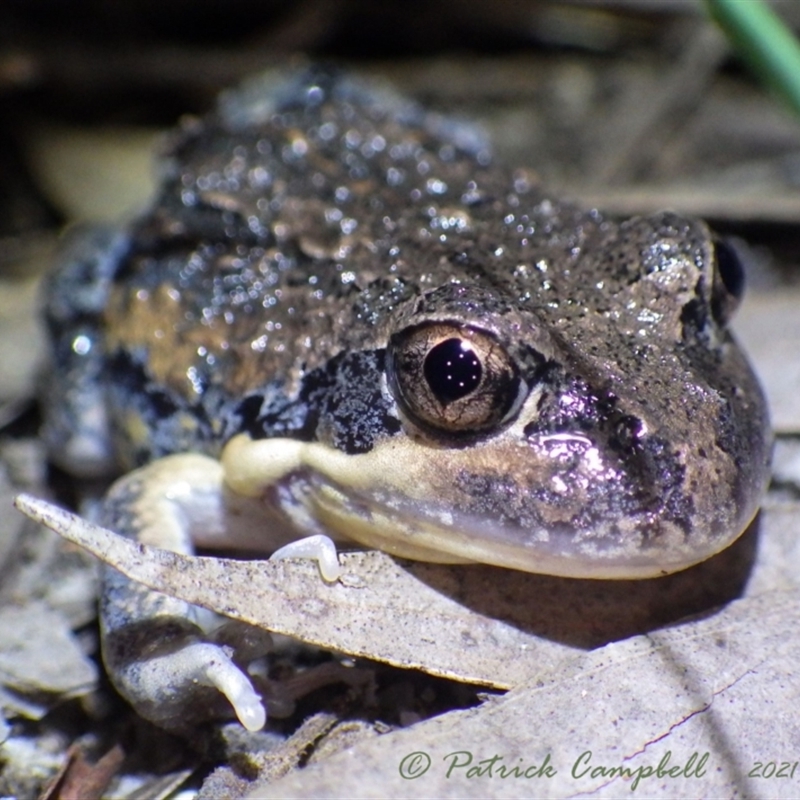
452 370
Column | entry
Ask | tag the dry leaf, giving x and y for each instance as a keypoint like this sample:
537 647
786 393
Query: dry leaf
474 623
725 686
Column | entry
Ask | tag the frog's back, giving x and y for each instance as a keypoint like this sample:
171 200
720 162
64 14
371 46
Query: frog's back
274 216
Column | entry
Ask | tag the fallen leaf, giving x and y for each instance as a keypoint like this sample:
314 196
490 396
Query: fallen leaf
473 623
708 700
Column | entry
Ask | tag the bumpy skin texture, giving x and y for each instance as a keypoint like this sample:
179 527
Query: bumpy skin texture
311 219
304 233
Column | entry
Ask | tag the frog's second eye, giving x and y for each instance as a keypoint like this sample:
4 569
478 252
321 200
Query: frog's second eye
729 279
452 378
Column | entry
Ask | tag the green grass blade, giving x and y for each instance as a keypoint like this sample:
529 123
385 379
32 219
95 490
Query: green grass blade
767 45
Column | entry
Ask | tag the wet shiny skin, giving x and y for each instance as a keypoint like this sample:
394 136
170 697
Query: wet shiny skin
294 305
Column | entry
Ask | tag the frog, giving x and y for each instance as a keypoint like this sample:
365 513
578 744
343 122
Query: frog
343 323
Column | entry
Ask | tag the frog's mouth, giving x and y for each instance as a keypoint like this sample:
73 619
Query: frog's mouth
409 530
395 498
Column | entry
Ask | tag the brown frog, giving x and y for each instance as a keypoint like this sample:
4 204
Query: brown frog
341 320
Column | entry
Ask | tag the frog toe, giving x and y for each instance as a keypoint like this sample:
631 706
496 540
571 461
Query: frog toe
319 548
189 684
210 665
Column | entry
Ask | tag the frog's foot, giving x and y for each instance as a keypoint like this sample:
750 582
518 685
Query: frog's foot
174 672
157 649
182 681
320 548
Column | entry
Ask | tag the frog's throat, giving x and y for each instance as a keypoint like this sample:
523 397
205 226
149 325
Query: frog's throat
382 500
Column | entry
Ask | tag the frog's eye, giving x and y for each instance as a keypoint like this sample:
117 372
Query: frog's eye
452 378
728 283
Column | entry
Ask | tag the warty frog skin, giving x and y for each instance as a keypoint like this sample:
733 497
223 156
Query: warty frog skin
341 321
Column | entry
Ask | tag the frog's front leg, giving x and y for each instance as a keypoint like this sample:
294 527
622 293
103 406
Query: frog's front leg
158 649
